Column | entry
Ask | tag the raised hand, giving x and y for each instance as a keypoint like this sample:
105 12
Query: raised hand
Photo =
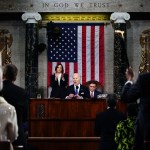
129 74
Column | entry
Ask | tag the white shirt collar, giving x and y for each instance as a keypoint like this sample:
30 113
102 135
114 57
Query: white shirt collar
78 87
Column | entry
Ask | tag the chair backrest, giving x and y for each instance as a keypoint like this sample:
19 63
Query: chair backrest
5 145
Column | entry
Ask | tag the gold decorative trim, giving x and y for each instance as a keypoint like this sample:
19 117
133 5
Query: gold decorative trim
6 40
75 17
145 51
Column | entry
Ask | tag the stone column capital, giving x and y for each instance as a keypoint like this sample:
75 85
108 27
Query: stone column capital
31 17
119 17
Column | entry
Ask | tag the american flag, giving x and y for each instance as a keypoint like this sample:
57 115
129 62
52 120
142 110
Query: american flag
80 49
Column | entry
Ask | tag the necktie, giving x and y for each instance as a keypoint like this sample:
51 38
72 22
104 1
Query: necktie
76 92
92 94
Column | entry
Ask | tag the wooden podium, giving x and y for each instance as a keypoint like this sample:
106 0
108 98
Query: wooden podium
65 120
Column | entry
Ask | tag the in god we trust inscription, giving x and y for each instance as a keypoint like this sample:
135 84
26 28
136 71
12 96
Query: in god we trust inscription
75 5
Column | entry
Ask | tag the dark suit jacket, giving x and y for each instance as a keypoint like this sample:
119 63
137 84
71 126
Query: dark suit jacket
105 127
58 91
141 89
96 93
82 91
17 97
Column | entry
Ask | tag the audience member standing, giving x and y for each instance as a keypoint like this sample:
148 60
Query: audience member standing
59 82
124 135
131 92
17 97
8 122
76 90
106 122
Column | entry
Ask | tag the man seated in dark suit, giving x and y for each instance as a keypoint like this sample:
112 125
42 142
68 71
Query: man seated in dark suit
92 92
76 90
106 122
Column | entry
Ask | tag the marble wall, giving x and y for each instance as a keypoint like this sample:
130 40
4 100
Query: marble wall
17 29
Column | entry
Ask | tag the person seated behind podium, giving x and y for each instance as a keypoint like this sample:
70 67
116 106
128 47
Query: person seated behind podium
59 82
106 122
77 90
92 92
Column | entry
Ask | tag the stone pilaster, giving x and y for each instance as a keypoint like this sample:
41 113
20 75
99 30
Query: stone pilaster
119 20
31 53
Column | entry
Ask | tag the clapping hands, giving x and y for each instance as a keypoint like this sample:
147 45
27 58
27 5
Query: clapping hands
129 74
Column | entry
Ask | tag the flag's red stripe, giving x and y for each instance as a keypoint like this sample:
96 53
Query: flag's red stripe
49 73
92 52
75 67
83 54
67 70
101 52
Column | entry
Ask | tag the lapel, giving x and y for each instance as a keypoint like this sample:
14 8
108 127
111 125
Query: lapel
72 89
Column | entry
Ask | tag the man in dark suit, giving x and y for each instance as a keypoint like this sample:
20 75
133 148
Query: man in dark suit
17 97
76 90
106 122
131 92
92 92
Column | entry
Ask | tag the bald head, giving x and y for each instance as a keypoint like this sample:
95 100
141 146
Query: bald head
76 79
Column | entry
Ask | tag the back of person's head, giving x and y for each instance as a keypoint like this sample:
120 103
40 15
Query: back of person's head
132 110
111 100
10 72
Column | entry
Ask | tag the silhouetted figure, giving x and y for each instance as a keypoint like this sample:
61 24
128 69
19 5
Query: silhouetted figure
106 122
131 92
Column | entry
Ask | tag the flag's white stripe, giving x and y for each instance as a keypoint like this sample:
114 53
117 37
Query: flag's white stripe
63 63
80 51
88 53
97 53
53 67
71 71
